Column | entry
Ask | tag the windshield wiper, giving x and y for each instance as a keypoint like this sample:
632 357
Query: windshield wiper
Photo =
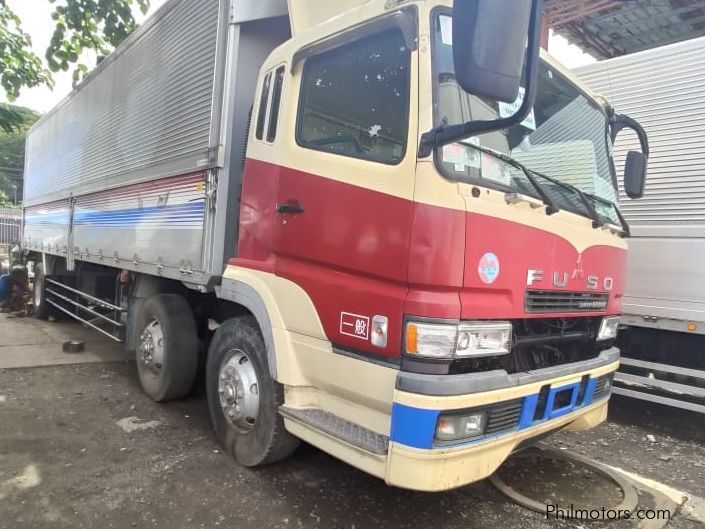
597 219
625 225
551 207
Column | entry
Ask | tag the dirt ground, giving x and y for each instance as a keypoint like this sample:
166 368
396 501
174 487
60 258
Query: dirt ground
81 446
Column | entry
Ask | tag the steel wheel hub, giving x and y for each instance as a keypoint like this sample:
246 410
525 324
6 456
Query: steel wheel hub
152 346
37 291
238 390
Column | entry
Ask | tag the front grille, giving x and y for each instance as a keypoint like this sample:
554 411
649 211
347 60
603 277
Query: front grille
503 416
603 387
547 301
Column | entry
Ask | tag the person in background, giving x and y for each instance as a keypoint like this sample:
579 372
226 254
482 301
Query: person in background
16 255
5 289
19 293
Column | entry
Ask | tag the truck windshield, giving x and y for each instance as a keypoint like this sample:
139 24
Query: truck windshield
564 138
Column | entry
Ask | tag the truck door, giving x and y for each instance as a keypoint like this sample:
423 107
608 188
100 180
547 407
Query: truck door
344 200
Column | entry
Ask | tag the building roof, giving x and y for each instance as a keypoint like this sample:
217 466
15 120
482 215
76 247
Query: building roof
610 28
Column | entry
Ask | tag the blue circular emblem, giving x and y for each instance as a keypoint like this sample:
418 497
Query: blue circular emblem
488 269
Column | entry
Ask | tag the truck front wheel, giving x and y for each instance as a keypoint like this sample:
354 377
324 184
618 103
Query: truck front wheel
243 398
167 347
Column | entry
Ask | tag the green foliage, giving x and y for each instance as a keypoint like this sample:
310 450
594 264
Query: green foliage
10 119
81 25
95 25
12 154
19 66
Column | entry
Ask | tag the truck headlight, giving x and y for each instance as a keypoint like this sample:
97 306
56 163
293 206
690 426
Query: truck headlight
608 329
464 340
456 427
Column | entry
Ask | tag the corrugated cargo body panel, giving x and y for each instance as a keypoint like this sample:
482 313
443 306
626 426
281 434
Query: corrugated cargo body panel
137 168
144 113
664 89
154 223
46 227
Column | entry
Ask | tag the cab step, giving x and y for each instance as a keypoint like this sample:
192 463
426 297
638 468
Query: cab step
337 427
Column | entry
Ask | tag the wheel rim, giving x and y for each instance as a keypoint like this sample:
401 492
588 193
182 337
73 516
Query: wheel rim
238 389
151 347
37 292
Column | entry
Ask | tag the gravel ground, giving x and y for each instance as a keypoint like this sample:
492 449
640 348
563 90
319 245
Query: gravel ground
81 446
654 441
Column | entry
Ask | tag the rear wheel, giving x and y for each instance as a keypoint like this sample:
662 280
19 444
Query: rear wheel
42 309
167 347
243 398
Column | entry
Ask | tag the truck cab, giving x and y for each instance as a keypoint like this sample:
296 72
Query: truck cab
455 314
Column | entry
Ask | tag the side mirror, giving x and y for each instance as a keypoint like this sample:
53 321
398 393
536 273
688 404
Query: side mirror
489 45
635 174
637 162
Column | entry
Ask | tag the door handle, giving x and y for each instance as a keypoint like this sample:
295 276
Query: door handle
292 208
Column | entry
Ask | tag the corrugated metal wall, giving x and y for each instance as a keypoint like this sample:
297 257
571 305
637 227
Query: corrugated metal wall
10 227
664 89
145 113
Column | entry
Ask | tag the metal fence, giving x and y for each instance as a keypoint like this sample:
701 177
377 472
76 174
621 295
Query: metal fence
10 227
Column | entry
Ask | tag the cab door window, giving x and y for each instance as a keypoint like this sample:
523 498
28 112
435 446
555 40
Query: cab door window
276 104
269 105
263 101
355 99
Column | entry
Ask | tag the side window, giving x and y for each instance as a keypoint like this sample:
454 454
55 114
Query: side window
276 102
355 99
262 112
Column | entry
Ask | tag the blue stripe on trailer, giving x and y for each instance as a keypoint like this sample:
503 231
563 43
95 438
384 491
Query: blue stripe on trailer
190 213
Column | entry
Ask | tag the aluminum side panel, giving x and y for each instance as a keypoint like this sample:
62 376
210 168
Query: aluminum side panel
46 227
145 113
154 224
666 278
663 89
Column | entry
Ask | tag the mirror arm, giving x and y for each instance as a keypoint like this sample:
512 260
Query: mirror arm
444 135
621 122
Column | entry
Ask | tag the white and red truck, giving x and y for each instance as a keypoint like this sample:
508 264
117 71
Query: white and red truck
389 233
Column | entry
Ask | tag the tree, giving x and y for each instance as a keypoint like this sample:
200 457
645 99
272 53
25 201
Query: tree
81 25
12 146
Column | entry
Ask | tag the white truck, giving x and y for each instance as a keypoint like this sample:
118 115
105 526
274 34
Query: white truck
663 342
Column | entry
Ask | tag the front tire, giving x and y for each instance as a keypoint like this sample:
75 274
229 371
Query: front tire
167 347
243 398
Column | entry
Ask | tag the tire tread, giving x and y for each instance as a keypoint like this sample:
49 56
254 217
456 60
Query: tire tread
176 317
277 443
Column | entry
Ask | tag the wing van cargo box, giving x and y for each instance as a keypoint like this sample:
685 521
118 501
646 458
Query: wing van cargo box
123 172
664 89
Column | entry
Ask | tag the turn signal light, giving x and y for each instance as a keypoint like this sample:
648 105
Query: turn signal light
412 334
